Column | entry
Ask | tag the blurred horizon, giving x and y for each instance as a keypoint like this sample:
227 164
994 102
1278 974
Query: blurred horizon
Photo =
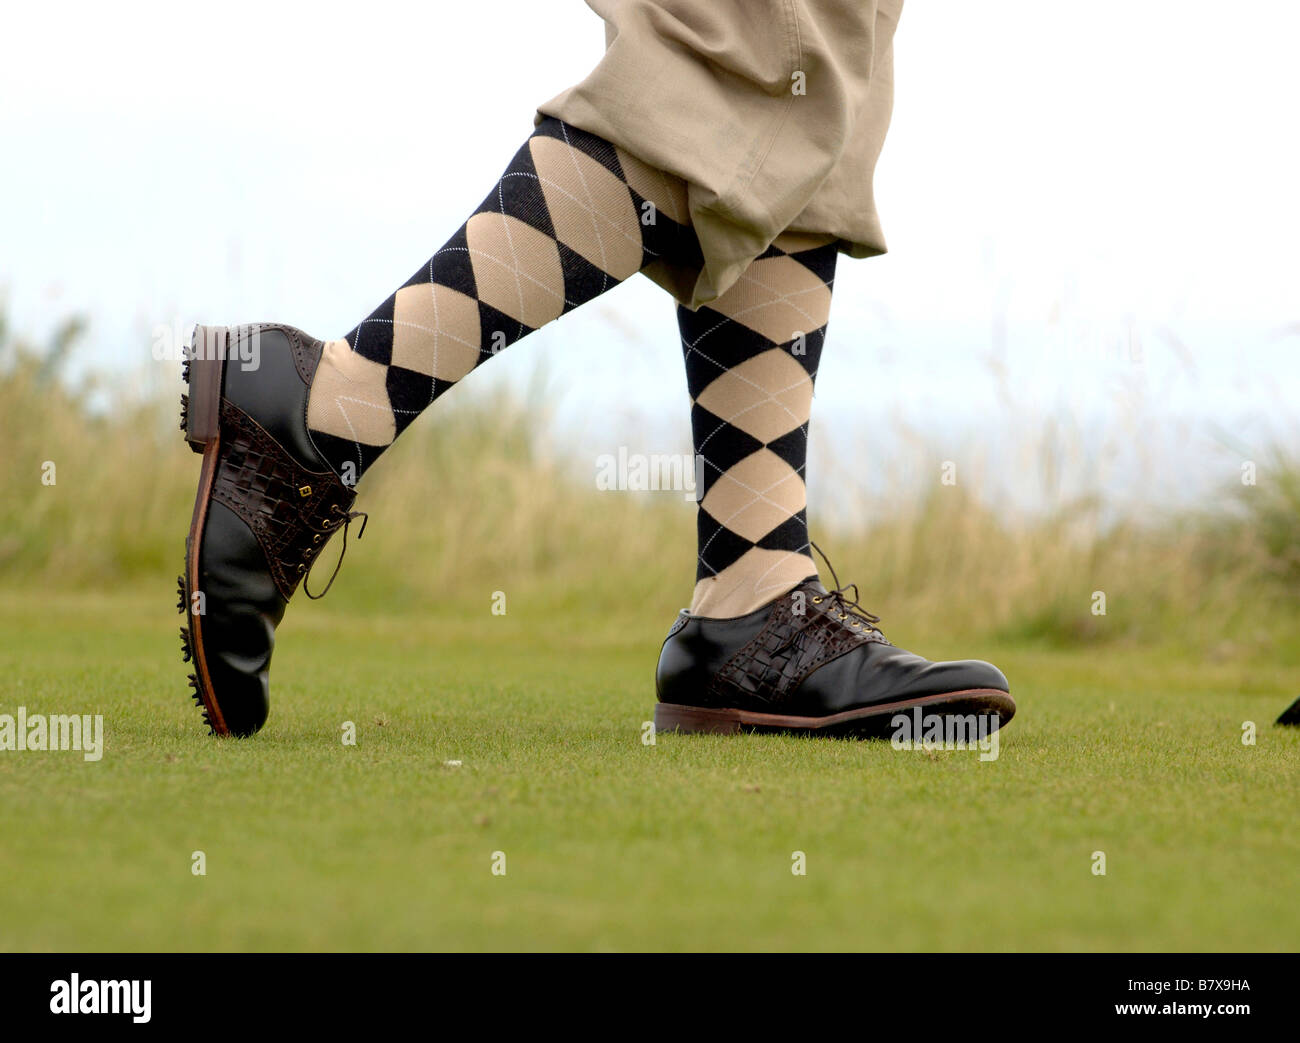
1091 224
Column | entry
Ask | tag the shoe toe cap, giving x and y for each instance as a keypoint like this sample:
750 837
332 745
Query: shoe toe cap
237 629
976 673
241 687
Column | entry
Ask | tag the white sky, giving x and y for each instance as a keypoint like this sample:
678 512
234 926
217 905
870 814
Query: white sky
1061 181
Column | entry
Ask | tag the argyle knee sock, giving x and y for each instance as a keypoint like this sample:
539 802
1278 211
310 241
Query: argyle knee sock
571 218
751 359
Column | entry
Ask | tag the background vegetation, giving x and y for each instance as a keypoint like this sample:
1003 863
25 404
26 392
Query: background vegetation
477 497
522 733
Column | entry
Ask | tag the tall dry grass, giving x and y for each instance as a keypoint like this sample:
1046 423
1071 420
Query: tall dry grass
476 497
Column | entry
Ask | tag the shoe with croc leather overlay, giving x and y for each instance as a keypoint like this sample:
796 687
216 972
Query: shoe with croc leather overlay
812 661
267 504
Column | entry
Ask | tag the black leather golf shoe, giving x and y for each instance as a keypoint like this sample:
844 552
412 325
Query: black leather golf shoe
267 503
812 661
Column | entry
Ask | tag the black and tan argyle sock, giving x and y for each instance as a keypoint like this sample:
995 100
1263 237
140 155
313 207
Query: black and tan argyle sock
571 217
751 359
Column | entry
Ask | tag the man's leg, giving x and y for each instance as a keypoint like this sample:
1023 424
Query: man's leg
751 359
284 442
571 218
765 644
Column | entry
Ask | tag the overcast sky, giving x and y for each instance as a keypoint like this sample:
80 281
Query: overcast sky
1091 209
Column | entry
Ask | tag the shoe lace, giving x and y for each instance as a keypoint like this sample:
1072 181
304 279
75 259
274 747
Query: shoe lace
846 609
307 565
848 606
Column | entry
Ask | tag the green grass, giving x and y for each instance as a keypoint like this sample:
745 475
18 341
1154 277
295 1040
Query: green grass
611 844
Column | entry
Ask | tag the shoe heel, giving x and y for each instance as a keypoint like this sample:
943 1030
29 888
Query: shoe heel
204 367
673 717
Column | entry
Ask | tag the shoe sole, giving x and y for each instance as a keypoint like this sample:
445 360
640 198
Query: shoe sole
869 722
201 423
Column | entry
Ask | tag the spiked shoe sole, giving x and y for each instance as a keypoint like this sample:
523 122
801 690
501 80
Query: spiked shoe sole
868 722
200 413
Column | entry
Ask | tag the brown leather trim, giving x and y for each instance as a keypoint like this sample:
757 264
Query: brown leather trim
673 716
306 353
784 652
194 620
293 512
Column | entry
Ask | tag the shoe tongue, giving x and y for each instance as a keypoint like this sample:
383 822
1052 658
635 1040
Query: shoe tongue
814 584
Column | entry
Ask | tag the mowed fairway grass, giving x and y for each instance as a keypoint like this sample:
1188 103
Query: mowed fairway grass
610 844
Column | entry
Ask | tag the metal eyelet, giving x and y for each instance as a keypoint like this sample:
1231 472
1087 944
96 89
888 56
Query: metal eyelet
302 567
817 601
316 538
